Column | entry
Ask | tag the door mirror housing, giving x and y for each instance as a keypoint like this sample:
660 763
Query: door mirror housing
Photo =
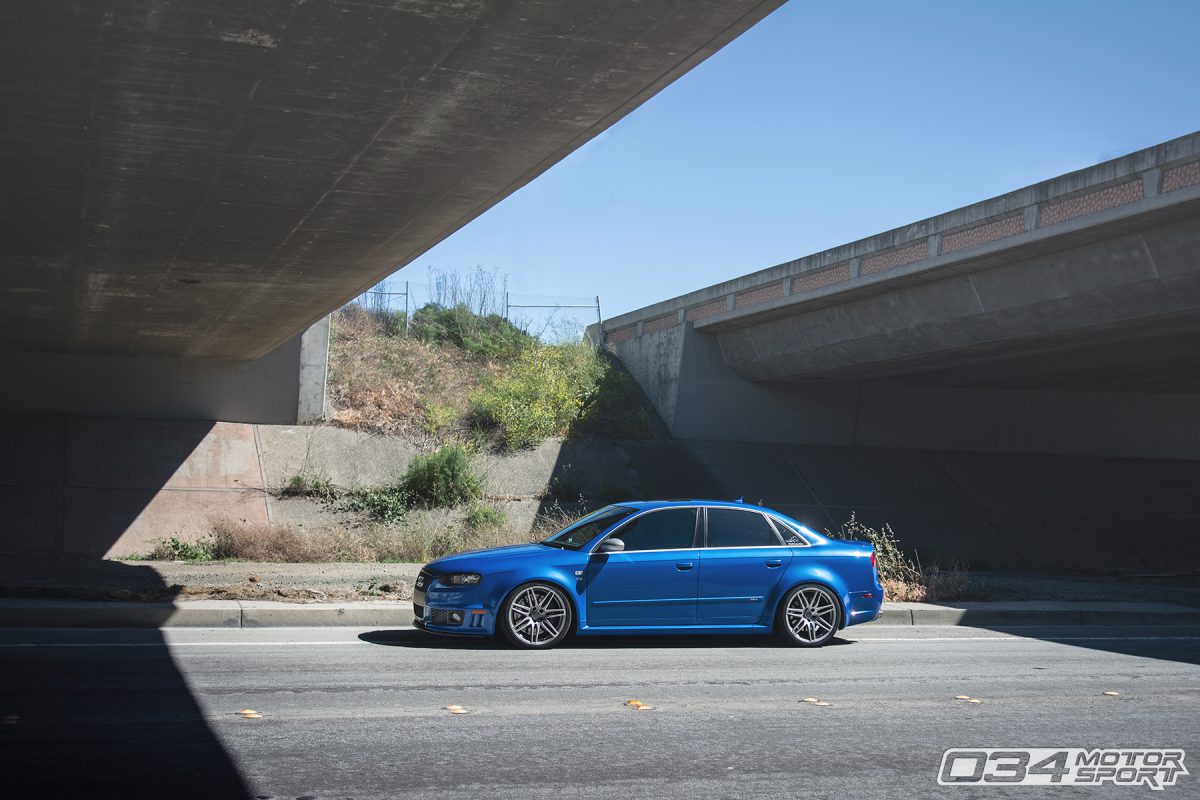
611 545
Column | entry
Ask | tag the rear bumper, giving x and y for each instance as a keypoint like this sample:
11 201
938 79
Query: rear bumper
864 606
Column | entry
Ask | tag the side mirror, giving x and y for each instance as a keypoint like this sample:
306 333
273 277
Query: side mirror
611 546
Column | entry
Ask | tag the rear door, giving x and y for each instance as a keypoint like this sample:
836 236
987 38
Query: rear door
653 580
740 565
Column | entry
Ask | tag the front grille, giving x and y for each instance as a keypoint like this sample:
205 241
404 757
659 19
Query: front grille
441 616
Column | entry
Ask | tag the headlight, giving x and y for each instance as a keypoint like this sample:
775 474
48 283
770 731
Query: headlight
460 579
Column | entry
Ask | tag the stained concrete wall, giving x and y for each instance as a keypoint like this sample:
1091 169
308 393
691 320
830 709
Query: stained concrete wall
93 487
285 386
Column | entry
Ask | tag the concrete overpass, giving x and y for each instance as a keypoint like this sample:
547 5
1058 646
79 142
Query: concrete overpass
191 186
1060 318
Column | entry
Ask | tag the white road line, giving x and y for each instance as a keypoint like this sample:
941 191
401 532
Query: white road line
1033 639
172 644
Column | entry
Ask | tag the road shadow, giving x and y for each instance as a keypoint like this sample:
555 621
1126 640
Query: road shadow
93 720
87 719
1164 643
421 640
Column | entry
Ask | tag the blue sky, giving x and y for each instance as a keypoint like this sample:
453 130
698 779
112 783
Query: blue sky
828 122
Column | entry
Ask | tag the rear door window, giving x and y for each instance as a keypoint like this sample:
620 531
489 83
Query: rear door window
731 527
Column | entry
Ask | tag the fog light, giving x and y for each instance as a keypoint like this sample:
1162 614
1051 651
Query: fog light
456 618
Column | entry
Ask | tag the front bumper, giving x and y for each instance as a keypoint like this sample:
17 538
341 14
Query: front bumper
452 610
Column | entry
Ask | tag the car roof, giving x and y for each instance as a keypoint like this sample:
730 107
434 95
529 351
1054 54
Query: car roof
642 505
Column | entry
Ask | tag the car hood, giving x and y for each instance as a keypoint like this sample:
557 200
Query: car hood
471 558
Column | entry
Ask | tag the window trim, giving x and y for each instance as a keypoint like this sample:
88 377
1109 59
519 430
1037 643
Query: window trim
697 533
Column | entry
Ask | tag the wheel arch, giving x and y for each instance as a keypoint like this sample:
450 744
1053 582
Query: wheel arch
552 581
822 577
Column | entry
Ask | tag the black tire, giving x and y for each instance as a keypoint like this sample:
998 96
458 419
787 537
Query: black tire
536 616
814 618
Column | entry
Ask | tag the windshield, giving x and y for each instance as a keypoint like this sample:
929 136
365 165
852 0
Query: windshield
582 531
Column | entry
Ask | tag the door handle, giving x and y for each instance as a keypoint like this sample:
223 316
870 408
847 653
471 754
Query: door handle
774 562
683 566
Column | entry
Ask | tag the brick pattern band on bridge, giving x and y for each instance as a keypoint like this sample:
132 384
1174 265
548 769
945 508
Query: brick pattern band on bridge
982 234
897 257
620 334
660 323
772 291
1181 177
806 281
707 310
1092 202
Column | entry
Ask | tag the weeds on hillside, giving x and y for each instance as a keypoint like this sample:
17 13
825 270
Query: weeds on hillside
485 517
465 372
442 479
396 385
385 504
544 390
904 579
316 487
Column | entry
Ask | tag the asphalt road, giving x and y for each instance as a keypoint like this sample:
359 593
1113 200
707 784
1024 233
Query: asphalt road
359 714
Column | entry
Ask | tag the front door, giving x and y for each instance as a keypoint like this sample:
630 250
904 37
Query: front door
653 580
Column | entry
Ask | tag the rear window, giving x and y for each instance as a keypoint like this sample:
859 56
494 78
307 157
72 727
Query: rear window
729 527
582 531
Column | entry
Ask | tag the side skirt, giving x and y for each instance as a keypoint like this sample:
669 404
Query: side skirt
635 630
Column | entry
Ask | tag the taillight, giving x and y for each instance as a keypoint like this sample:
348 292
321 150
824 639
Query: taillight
873 560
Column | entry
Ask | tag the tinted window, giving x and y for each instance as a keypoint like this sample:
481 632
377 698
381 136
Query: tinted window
579 533
669 529
728 527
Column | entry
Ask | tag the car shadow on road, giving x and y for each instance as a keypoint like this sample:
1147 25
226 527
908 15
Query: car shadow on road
421 640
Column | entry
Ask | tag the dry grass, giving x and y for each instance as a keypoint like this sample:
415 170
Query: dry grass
419 538
934 583
399 386
905 579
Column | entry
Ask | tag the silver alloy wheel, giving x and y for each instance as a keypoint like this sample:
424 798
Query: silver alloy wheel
811 614
537 615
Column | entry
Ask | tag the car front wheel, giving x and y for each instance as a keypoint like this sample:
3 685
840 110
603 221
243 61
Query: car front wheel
536 616
808 616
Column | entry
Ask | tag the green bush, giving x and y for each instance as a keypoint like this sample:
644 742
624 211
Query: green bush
175 549
544 390
442 479
484 517
489 335
303 485
386 504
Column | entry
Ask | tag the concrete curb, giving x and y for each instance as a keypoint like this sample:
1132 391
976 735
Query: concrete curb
200 614
264 614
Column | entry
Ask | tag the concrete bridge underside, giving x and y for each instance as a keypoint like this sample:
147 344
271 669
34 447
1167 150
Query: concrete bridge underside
190 186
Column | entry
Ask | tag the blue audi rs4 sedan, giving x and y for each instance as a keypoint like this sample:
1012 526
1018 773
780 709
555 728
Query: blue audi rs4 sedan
692 566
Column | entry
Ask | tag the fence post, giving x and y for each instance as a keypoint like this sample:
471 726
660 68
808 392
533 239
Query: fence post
406 308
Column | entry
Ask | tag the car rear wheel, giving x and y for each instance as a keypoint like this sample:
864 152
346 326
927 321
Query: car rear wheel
808 616
536 616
